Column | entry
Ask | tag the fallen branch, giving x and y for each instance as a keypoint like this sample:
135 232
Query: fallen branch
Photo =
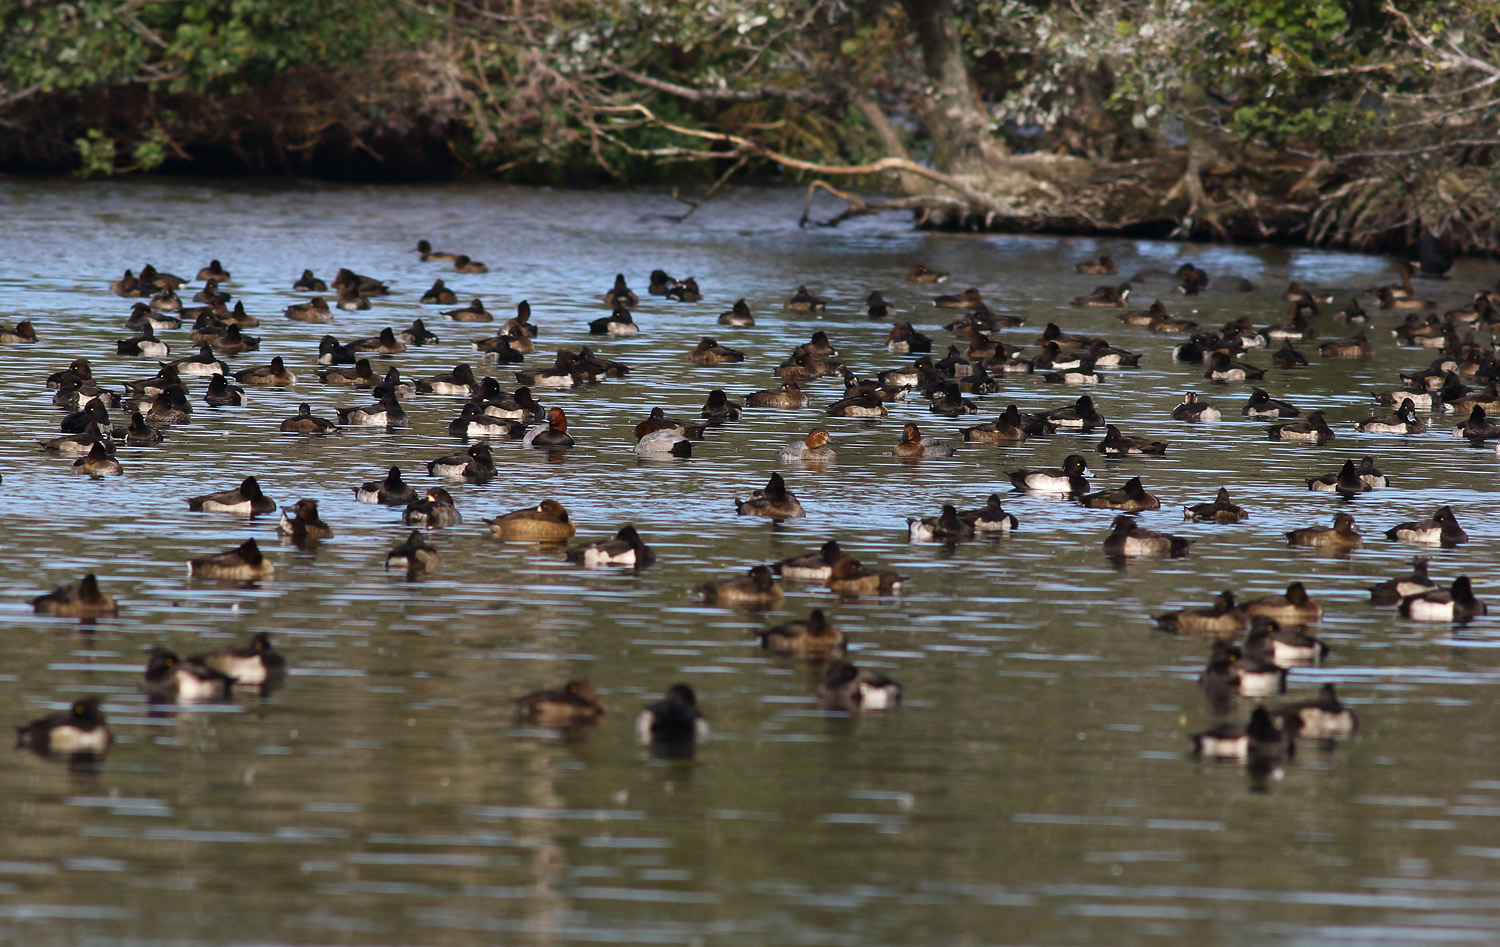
762 94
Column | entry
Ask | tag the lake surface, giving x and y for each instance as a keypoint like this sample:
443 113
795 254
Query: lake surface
1037 786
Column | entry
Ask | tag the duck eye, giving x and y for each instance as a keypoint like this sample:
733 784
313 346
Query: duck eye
78 709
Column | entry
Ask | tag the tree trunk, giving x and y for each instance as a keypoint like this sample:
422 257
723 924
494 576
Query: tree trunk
959 126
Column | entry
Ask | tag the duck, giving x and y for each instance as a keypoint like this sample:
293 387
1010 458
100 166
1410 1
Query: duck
1230 671
439 295
170 406
305 423
990 518
504 348
852 689
392 491
813 449
673 723
417 334
860 404
244 562
435 510
737 316
1102 265
138 433
1456 603
210 293
350 300
905 339
657 420
1116 444
81 730
621 294
1346 481
79 445
913 446
308 283
1104 297
1352 313
919 273
664 443
970 298
204 364
244 500
92 414
221 394
1132 498
774 501
1311 430
520 405
474 465
474 422
301 522
274 375
685 291
366 285
165 301
788 395
546 522
551 436
1299 328
1223 369
1069 479
813 637
97 463
618 323
1223 619
803 301
1441 530
1389 300
462 264
625 548
1127 539
575 703
812 566
757 587
145 345
1260 744
1008 428
1081 416
142 315
947 527
473 312
1323 718
255 664
333 352
1477 427
1262 405
948 400
460 382
1295 607
425 252
1195 411
562 374
1392 591
1403 421
876 307
1341 537
710 352
385 343
81 599
414 556
391 386
386 413
1355 346
850 578
1288 357
170 679
1271 642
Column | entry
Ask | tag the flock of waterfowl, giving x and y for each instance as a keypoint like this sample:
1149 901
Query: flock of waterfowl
1461 378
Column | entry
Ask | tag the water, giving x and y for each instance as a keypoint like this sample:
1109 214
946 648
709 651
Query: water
1035 788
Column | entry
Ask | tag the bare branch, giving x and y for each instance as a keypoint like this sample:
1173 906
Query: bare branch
761 94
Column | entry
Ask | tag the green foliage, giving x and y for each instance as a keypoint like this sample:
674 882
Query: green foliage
96 153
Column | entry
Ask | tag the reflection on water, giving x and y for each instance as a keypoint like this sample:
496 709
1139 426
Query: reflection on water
1037 779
